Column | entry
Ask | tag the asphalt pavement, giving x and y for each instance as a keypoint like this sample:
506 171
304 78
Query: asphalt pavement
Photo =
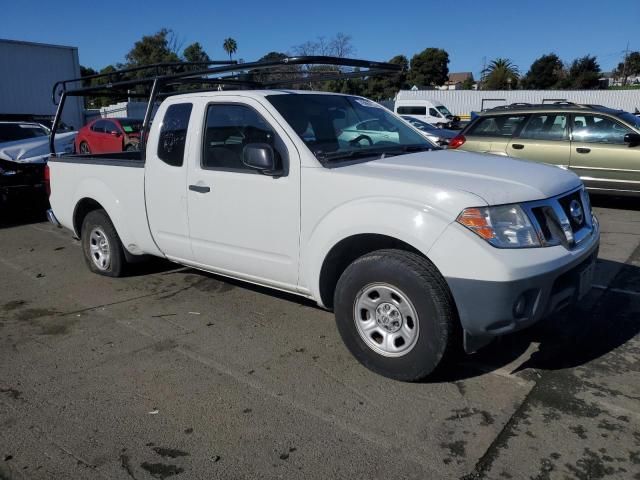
174 373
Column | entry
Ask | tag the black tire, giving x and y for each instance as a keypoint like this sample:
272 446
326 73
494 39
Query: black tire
132 147
98 221
84 148
417 279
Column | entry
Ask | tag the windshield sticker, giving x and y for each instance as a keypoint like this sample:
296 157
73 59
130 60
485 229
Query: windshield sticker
367 103
127 128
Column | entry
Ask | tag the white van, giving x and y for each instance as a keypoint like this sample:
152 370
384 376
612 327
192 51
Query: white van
429 111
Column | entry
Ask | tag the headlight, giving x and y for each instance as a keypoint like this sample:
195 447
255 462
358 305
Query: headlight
505 226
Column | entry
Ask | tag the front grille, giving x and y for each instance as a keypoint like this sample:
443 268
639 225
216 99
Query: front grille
563 220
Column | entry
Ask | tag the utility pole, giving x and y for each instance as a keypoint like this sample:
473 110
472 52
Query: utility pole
624 65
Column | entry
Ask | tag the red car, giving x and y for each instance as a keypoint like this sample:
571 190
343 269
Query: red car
108 135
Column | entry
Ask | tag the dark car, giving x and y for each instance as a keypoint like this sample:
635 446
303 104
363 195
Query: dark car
108 135
439 136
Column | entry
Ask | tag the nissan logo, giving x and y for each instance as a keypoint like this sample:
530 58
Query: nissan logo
575 209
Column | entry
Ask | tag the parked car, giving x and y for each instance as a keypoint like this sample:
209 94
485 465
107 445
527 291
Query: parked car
599 144
439 136
109 135
430 111
24 149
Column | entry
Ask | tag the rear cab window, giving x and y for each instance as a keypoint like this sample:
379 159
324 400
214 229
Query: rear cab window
497 126
173 134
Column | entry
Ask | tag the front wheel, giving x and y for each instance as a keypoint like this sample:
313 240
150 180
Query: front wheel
102 248
395 314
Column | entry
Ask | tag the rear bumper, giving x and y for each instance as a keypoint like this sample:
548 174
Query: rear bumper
513 289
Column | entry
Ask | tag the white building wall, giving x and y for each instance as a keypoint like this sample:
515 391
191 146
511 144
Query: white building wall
27 74
463 102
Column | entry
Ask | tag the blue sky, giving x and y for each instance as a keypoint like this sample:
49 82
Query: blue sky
469 30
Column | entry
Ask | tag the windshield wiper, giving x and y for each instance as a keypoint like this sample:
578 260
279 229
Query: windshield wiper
373 152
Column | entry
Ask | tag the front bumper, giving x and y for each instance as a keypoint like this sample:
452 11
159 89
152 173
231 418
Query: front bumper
510 289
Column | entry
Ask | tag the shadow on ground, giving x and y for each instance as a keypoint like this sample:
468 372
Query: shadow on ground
617 203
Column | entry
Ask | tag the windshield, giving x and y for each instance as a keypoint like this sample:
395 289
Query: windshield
10 132
340 127
443 110
631 119
130 125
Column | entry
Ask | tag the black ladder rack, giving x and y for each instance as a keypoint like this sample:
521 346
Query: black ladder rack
164 79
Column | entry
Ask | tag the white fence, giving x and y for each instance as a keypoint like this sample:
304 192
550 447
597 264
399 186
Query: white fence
463 102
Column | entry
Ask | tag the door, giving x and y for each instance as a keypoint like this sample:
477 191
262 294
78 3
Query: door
112 138
492 133
599 155
166 182
434 117
544 138
95 136
244 223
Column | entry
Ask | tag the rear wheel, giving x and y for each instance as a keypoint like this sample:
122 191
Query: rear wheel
396 315
102 248
84 148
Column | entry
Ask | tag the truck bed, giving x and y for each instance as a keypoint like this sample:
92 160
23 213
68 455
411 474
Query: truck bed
116 182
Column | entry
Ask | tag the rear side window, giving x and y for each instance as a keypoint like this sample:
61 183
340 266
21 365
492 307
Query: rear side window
499 126
548 126
173 134
412 110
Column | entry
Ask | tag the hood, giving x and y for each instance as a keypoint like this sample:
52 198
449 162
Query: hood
35 150
496 179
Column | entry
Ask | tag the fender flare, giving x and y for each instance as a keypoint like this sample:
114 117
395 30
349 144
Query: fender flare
410 222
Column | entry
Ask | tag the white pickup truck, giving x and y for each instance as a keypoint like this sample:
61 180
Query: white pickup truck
417 250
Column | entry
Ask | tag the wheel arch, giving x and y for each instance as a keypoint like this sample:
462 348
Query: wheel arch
343 253
83 207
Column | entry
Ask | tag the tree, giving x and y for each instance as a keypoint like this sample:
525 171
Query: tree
468 84
544 73
195 53
584 73
158 48
339 45
429 67
386 87
230 46
279 72
501 74
630 66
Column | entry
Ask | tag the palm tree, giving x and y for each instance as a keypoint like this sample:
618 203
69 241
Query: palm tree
500 74
230 46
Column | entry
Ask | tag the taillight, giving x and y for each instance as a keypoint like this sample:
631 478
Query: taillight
457 141
47 180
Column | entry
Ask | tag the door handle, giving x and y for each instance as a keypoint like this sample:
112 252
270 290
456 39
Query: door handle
199 188
517 146
583 150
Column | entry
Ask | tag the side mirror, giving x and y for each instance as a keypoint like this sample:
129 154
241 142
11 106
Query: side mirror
115 134
632 139
259 156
